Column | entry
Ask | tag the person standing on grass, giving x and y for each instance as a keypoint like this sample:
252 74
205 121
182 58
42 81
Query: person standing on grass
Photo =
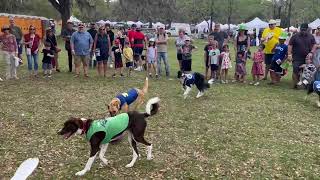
225 63
257 66
32 43
316 56
180 41
10 51
214 56
242 44
131 34
102 48
51 38
207 49
117 58
110 34
47 59
301 46
270 38
128 56
121 35
162 48
17 32
81 43
92 31
152 57
138 45
66 34
187 48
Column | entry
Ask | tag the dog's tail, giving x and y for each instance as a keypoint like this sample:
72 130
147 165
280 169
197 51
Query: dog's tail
152 107
146 86
204 84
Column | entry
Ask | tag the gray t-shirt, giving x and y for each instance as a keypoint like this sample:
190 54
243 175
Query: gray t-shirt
220 37
162 47
179 43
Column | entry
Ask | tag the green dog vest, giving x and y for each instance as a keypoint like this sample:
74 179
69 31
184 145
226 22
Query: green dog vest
111 126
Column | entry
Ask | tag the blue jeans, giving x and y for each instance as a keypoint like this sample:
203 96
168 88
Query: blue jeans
35 59
164 57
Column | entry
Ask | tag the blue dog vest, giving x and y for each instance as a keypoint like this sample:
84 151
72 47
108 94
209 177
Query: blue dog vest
189 80
316 86
127 98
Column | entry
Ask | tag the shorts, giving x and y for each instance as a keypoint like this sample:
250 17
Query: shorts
137 51
207 65
296 66
83 59
129 64
46 66
268 59
186 65
214 67
118 64
275 67
179 56
151 60
102 58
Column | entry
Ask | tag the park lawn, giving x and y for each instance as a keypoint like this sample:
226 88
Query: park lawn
235 131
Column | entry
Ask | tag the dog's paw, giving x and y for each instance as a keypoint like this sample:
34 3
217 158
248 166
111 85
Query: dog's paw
149 157
105 162
129 165
81 173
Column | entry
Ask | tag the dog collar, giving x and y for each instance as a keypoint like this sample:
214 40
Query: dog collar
84 127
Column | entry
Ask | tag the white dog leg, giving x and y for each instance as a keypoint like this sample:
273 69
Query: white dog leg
102 152
318 103
87 167
200 94
149 152
134 154
186 92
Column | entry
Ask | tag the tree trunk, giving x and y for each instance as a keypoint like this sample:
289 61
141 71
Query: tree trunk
64 8
65 15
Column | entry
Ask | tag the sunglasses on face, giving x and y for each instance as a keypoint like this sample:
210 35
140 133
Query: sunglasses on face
102 29
32 29
6 29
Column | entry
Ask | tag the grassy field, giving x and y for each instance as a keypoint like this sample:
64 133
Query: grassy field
236 131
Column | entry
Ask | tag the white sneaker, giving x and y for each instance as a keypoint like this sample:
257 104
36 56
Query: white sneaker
200 94
137 69
1 79
252 83
299 83
305 82
223 82
211 81
257 84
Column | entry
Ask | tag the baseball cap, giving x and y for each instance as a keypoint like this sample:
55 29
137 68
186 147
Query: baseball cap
272 21
152 40
187 38
283 36
304 26
133 25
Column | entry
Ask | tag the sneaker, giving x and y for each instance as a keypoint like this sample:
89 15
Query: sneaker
150 75
234 81
15 77
77 75
211 81
86 76
299 83
58 70
1 79
227 81
137 69
252 83
223 82
257 84
114 75
157 76
49 76
318 104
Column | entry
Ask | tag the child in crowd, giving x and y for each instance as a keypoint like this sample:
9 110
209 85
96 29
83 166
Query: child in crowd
117 57
257 66
128 57
151 57
214 55
47 59
279 57
241 71
187 56
308 71
225 64
207 49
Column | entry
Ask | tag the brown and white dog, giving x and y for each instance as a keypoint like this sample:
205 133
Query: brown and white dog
135 126
122 101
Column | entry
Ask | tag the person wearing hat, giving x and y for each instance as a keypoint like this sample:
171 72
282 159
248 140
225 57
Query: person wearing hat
17 32
187 48
131 33
102 49
138 46
279 57
92 31
10 51
302 45
162 48
66 35
242 45
151 56
81 43
270 38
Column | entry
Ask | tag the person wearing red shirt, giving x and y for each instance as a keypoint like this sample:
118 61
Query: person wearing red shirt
138 46
131 34
32 43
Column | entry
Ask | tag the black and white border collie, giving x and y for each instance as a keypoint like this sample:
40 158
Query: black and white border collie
188 80
136 128
314 87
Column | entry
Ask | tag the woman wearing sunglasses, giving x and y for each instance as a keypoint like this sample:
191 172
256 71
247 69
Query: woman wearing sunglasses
32 43
10 51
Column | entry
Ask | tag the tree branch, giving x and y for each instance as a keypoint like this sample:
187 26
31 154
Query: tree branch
56 5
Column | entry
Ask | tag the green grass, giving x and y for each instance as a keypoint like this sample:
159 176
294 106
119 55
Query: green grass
235 131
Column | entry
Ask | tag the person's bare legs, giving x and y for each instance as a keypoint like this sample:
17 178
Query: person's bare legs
295 79
85 66
105 67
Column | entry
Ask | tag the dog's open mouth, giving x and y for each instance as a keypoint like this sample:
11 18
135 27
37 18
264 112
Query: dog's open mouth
67 135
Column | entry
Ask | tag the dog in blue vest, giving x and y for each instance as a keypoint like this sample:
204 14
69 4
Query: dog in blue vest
122 101
193 79
314 87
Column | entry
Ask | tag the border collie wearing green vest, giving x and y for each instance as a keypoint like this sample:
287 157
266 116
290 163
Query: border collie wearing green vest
101 131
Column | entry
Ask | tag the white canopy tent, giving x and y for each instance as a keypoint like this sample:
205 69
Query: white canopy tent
130 23
101 22
139 23
256 23
158 24
226 27
204 26
74 19
315 24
